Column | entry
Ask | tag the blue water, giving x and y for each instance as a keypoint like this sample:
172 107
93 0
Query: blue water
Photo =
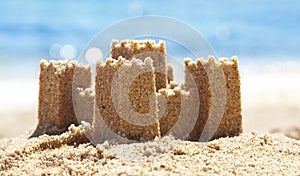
250 29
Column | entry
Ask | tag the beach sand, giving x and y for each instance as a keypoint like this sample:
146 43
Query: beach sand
271 104
248 154
18 106
271 99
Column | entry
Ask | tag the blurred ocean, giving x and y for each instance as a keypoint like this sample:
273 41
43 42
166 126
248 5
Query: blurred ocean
253 30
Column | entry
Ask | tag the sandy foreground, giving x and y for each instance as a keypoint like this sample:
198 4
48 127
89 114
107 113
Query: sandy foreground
248 154
271 104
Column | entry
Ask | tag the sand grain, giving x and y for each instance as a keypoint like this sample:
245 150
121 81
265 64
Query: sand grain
248 154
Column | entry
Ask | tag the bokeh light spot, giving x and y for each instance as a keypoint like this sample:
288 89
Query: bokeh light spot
93 54
54 51
222 33
68 52
135 9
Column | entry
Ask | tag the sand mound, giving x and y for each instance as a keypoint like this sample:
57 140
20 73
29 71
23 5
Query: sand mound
69 154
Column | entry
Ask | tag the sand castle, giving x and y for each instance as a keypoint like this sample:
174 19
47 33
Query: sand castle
136 98
56 110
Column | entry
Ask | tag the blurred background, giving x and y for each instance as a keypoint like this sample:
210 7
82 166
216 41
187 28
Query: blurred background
263 34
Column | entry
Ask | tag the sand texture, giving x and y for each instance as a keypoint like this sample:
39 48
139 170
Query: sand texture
124 100
68 154
141 49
